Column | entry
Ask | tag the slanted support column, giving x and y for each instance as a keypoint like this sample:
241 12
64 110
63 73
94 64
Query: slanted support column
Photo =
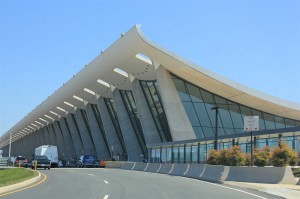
46 135
87 141
109 129
148 125
132 145
97 134
60 142
67 137
179 124
77 142
54 139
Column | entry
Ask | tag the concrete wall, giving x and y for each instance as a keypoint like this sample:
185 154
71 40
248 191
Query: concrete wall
67 137
97 135
132 145
179 123
77 143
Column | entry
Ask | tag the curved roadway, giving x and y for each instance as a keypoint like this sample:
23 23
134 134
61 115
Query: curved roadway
114 183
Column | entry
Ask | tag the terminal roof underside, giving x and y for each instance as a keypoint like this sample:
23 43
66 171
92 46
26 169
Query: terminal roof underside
136 55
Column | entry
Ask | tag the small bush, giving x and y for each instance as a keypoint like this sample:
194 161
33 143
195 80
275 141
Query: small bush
262 157
214 157
248 160
283 155
229 157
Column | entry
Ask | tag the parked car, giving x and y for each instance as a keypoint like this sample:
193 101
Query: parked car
87 161
72 164
41 161
21 161
103 163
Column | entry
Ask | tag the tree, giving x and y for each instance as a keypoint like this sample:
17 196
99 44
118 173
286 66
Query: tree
214 157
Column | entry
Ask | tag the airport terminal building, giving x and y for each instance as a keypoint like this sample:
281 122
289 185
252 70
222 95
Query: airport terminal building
138 101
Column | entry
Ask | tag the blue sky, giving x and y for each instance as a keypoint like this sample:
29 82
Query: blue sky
43 43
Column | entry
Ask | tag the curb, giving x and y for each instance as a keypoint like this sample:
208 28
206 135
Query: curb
20 184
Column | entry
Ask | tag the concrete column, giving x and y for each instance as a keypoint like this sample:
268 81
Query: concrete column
34 139
77 142
87 141
52 135
46 135
60 142
150 131
179 124
25 148
67 137
97 135
31 143
41 137
28 146
131 142
109 128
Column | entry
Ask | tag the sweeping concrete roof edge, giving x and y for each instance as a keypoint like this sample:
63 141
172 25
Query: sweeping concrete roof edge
123 51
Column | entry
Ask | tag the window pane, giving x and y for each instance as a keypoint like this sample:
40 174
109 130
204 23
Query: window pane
187 154
181 154
194 93
236 115
175 154
279 122
180 86
208 132
207 97
269 121
198 132
202 114
191 113
195 154
289 123
261 119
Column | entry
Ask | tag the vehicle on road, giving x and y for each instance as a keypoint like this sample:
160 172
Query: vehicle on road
87 161
21 161
41 161
49 151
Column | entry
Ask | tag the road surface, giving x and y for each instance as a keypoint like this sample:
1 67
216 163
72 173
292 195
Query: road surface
123 184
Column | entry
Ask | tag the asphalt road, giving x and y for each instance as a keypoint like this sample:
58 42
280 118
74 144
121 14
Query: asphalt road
123 184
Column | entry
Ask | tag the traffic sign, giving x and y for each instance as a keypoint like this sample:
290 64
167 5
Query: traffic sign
251 123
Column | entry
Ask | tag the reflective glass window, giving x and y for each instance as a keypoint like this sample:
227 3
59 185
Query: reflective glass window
180 86
203 153
194 93
175 155
202 114
261 119
269 121
164 155
181 154
273 142
194 153
279 122
191 113
261 143
169 154
187 153
289 123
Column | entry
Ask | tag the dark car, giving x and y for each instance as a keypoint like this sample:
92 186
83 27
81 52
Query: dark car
88 161
21 161
41 161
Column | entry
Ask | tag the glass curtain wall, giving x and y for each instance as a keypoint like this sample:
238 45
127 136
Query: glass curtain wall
198 103
130 105
110 105
153 98
100 124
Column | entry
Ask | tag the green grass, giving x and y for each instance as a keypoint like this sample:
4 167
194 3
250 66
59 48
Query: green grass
13 176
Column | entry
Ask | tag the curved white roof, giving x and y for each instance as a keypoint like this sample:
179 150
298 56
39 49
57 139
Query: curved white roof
125 54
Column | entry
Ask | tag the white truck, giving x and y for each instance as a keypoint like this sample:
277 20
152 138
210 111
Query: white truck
49 151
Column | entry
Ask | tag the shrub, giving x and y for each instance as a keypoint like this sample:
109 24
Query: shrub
248 160
214 157
283 155
235 157
229 157
262 157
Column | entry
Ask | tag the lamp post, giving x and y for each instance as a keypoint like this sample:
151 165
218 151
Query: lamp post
216 108
9 151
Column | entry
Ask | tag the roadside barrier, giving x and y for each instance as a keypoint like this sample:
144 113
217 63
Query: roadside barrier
270 175
153 167
165 168
140 166
128 165
195 170
113 164
214 173
179 169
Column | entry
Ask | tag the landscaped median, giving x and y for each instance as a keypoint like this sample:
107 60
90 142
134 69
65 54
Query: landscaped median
15 175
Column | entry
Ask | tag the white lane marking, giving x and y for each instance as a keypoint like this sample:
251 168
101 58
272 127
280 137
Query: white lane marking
106 196
227 188
106 182
90 174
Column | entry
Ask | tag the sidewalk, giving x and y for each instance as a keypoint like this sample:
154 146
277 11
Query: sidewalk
284 190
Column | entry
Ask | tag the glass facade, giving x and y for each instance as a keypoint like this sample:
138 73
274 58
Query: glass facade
198 103
131 109
198 152
110 105
153 98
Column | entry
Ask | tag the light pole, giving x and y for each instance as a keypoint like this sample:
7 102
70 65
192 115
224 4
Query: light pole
9 151
216 108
